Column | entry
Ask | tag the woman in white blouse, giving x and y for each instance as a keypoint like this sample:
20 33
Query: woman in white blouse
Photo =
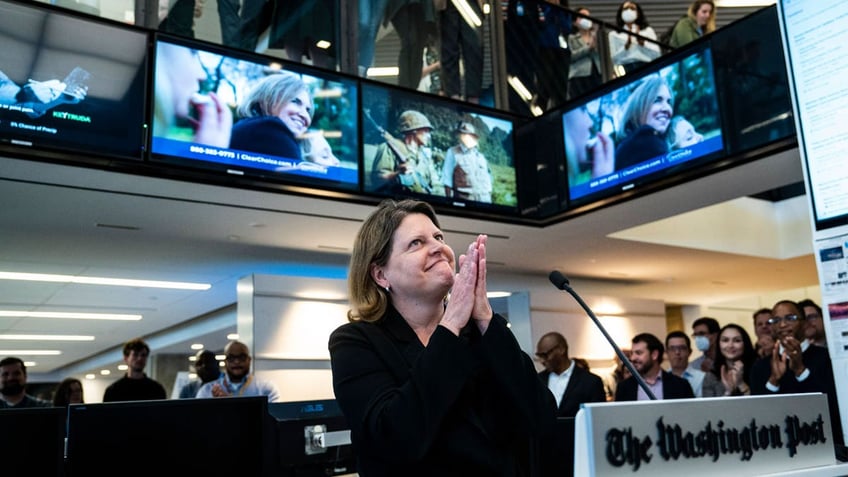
630 47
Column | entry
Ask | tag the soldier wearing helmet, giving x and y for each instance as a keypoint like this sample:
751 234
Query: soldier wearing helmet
465 174
407 165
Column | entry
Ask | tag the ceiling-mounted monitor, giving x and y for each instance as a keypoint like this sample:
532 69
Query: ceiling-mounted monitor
814 36
643 129
70 85
446 152
243 115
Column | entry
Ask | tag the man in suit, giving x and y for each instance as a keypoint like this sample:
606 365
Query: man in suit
646 354
570 384
796 365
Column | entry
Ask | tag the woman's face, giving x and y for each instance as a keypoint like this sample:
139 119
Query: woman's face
660 111
730 343
421 264
685 134
297 113
702 16
75 393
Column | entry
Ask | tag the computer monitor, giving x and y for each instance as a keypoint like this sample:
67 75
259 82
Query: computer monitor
69 85
644 129
263 138
300 425
225 436
394 132
32 441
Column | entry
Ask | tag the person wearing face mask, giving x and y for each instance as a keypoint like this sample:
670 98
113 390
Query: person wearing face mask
645 122
277 111
704 332
699 20
629 46
585 72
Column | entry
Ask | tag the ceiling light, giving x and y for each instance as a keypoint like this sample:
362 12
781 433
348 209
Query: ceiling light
519 88
105 372
45 277
467 13
197 346
30 364
90 376
69 315
498 294
47 337
123 367
323 44
379 72
232 336
744 3
30 352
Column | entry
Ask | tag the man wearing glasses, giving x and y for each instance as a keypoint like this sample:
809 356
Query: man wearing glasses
570 384
796 366
237 379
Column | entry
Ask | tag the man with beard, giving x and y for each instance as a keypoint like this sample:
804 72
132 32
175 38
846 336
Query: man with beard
796 365
13 379
646 354
207 369
237 380
135 385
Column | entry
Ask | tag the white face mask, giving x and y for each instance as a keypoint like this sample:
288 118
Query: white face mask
628 16
702 343
584 23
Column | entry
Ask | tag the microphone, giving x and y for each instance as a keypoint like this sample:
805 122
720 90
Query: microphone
561 282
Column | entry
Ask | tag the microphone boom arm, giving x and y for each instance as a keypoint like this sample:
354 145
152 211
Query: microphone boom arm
560 281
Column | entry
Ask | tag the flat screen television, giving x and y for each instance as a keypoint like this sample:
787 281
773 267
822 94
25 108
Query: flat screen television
33 440
442 151
816 65
226 436
70 84
253 116
295 422
643 129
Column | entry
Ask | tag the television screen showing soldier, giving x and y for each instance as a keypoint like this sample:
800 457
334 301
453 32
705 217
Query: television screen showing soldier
435 149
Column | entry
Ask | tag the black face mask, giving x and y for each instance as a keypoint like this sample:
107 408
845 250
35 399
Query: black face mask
12 389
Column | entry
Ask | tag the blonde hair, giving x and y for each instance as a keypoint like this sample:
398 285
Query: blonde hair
693 14
270 94
640 102
373 246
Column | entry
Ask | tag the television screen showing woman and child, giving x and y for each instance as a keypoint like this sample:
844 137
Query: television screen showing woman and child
643 130
254 117
70 84
438 150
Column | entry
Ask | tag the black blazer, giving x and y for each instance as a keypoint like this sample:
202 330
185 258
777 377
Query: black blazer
674 387
583 386
820 380
462 406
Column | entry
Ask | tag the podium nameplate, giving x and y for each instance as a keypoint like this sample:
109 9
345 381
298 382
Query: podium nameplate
749 435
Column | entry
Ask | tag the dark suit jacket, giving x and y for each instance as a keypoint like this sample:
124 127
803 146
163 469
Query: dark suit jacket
820 380
583 386
674 387
461 406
